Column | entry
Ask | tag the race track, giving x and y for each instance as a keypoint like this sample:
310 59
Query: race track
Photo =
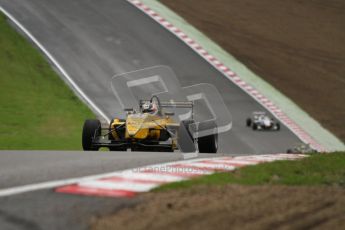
92 41
46 209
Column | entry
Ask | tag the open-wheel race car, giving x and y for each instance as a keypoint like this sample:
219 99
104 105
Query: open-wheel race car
302 148
149 129
261 121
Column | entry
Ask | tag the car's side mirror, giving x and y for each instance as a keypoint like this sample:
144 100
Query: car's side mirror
169 113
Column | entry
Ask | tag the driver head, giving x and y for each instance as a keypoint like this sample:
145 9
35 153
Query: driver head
146 106
149 107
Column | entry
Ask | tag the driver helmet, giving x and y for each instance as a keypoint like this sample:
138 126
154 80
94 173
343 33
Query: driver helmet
149 107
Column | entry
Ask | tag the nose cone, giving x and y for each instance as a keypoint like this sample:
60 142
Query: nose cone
135 123
133 128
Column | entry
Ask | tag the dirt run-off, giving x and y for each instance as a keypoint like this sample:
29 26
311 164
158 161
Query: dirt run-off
297 46
234 207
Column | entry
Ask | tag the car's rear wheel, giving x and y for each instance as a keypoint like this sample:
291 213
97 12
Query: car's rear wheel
185 139
91 129
208 144
249 122
278 126
255 126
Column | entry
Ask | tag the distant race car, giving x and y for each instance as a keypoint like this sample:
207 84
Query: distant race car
261 121
302 148
149 129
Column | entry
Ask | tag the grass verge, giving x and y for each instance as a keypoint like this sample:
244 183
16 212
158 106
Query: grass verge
38 110
318 169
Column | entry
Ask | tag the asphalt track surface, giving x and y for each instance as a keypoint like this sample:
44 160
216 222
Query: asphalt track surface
45 209
93 40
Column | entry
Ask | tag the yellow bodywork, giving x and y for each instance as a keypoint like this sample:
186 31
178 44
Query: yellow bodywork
142 126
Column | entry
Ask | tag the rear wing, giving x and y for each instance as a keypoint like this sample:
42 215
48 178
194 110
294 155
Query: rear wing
171 104
177 104
259 113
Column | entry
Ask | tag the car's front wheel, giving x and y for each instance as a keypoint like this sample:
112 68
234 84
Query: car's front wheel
91 129
278 126
185 139
208 144
249 122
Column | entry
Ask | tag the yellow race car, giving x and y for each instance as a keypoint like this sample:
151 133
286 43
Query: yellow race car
149 129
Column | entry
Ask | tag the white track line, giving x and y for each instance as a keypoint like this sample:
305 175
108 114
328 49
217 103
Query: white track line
57 65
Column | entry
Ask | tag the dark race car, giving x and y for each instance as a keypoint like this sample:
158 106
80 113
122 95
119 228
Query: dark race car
302 148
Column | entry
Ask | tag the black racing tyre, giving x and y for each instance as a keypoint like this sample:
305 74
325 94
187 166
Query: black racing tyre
208 144
91 129
278 126
249 122
255 126
186 124
289 151
164 135
185 140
